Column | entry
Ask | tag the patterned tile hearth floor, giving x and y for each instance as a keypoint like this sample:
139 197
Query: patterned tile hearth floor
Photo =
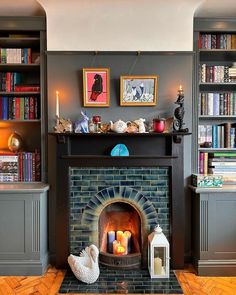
121 281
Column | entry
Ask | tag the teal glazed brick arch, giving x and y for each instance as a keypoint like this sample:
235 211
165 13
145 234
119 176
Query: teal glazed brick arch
105 197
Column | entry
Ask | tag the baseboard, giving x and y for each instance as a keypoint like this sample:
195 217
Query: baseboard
23 267
216 268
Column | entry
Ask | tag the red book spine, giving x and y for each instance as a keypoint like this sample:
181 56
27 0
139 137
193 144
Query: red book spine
29 61
37 166
8 82
27 88
201 163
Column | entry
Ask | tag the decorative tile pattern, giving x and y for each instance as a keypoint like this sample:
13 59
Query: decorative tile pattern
91 188
122 282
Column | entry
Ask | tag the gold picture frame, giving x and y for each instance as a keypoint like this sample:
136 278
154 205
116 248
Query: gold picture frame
96 87
138 90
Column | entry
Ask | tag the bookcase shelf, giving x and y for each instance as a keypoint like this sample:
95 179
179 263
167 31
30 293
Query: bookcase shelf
23 66
215 105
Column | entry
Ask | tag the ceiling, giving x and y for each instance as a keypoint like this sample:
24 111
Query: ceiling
206 8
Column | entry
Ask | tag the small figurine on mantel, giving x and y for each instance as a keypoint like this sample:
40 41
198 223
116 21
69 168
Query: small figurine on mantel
63 125
179 112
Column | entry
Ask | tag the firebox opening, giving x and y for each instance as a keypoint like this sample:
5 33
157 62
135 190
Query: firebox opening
117 220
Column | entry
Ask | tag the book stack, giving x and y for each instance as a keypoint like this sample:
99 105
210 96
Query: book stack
29 166
19 108
232 73
223 164
15 55
215 104
8 80
217 41
8 167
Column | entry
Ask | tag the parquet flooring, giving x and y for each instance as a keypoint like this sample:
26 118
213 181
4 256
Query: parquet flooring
50 283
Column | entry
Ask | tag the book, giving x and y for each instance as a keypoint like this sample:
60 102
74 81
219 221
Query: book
26 88
199 180
8 167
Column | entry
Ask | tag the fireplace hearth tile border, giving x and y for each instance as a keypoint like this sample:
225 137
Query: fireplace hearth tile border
121 282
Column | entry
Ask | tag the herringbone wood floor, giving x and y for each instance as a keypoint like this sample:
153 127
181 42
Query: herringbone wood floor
49 284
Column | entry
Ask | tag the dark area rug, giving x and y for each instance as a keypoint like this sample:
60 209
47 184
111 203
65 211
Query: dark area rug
122 282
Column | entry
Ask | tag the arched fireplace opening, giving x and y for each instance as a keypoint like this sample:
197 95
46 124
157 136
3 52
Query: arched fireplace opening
120 236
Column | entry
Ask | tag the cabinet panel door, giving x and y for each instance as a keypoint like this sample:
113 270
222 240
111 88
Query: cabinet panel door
15 227
222 226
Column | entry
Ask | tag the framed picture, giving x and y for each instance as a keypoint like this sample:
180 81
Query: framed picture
96 87
138 90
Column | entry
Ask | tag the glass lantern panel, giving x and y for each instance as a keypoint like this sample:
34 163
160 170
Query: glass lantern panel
159 260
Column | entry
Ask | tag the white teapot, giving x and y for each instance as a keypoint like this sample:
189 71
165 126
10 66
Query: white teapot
119 126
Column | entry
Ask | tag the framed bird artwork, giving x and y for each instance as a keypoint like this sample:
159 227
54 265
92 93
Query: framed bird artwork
138 90
96 87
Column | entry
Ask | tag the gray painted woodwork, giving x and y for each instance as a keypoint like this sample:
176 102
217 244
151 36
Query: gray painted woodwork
23 229
214 234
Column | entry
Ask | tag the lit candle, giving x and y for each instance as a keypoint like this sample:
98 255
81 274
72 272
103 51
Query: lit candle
157 266
120 250
115 244
124 242
57 104
119 235
128 234
180 90
110 239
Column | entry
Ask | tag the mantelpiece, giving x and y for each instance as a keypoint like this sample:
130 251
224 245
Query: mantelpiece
93 150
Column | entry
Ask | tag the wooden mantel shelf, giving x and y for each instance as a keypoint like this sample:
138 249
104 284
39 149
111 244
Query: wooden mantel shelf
176 135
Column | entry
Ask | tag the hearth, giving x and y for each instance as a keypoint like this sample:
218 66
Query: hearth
82 200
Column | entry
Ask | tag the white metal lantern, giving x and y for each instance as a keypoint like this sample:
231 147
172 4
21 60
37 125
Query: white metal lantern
158 254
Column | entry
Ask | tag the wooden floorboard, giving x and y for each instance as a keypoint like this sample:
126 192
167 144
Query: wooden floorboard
50 283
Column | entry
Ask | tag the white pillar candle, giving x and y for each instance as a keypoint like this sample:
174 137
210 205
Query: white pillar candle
110 239
119 235
57 104
157 266
128 234
124 243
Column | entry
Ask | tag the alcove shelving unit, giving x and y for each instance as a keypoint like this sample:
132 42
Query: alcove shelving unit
213 216
23 203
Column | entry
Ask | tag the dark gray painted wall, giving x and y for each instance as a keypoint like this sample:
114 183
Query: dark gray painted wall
65 75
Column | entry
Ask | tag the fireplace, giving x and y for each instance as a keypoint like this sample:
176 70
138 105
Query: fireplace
120 236
84 206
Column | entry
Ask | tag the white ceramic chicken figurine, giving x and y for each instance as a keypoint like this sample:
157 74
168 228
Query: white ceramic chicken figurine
85 267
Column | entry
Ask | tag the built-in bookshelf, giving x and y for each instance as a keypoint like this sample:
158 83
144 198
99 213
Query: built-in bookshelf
215 92
22 97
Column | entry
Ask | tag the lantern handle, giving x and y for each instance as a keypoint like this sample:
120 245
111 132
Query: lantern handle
158 229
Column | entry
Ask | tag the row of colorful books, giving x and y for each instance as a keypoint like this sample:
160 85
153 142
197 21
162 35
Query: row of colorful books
24 166
218 163
217 41
12 81
214 74
214 104
19 108
217 136
15 56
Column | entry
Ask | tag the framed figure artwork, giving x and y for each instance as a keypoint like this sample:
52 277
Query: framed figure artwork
138 90
96 87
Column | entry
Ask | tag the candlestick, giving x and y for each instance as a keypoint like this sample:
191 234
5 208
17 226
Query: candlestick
57 104
157 266
110 239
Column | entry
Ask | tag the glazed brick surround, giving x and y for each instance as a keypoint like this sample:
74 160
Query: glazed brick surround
86 184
